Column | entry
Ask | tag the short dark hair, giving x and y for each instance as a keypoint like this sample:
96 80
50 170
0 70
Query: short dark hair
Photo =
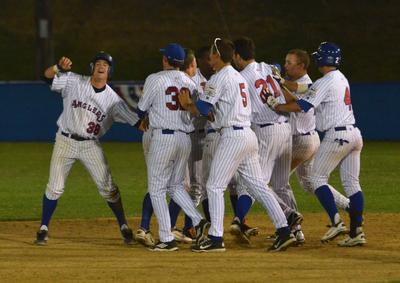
174 64
203 52
225 48
302 57
189 57
245 47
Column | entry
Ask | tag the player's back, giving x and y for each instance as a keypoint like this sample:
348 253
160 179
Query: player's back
233 107
259 78
160 97
333 97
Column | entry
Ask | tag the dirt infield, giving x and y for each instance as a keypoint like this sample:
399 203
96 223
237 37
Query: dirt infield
92 250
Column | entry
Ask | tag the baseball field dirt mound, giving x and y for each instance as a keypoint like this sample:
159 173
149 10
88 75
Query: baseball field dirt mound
92 250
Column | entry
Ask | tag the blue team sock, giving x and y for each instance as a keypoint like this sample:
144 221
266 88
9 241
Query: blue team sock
118 211
215 238
283 232
356 212
206 209
234 199
243 205
188 223
48 207
147 212
174 210
325 197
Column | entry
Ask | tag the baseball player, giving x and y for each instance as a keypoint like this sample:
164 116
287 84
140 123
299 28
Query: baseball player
341 145
305 140
90 108
170 144
272 129
237 149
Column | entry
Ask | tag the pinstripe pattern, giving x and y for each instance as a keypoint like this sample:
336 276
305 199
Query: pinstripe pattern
87 114
275 140
340 146
168 153
302 122
237 150
333 112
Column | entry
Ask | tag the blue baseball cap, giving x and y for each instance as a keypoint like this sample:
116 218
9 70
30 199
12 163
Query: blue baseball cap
174 52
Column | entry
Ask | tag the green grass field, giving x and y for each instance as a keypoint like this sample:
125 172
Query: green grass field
24 171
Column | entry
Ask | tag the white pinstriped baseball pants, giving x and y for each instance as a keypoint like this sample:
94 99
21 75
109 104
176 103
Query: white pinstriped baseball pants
166 166
275 150
304 149
341 148
237 150
66 151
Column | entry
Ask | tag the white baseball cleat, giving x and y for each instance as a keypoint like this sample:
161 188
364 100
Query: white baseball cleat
358 240
334 231
180 237
145 237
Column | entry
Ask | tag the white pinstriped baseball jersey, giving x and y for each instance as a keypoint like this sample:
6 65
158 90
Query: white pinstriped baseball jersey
199 79
226 90
302 122
87 113
259 78
330 96
160 95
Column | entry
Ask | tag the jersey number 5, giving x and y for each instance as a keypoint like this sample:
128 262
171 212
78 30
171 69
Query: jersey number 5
347 99
242 86
174 105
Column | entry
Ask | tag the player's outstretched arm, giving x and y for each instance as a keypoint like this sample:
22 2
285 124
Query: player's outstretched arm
63 65
289 97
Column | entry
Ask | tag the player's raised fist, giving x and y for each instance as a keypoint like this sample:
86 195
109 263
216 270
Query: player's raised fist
65 64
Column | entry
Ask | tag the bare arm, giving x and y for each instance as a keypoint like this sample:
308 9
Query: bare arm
288 107
63 65
289 97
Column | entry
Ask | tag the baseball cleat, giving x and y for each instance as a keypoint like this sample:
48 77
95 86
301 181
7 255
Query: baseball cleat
127 234
145 237
358 240
299 235
180 237
272 237
295 218
165 247
41 237
282 243
334 231
209 246
201 230
243 232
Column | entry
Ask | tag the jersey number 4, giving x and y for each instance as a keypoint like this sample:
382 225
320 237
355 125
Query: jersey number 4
264 93
347 99
174 91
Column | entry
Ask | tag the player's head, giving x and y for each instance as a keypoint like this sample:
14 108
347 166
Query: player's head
221 51
102 64
174 56
203 61
245 51
327 54
296 63
190 64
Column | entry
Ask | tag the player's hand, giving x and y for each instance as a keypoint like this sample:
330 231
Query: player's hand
64 64
276 74
272 102
144 124
184 98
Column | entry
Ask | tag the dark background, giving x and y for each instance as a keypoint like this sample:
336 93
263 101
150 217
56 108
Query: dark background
133 31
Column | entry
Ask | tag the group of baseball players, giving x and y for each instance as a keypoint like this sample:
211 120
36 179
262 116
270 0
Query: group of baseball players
214 120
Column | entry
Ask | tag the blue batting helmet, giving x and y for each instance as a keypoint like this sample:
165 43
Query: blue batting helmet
106 57
327 54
